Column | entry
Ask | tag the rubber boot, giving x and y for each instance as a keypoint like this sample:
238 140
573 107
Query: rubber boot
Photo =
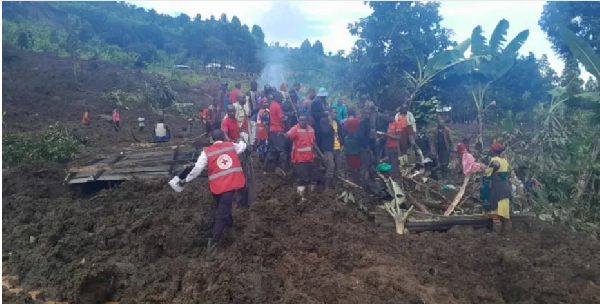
211 248
300 191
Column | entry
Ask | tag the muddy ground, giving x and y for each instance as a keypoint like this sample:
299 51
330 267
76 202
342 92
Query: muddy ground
141 242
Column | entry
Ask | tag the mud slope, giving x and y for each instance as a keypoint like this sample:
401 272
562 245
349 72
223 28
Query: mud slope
143 243
39 89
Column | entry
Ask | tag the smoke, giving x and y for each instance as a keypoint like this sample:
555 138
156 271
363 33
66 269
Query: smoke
286 23
274 68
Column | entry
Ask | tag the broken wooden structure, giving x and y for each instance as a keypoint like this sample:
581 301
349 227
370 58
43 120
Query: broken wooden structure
147 163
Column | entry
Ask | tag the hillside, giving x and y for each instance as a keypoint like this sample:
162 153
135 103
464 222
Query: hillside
130 35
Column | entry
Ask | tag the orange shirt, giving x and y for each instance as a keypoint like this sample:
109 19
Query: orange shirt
394 128
403 121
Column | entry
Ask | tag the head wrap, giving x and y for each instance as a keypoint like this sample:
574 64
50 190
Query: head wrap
497 148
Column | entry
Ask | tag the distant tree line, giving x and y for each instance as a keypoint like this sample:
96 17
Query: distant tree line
150 36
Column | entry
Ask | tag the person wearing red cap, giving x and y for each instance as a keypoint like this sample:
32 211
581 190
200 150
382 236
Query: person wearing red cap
496 191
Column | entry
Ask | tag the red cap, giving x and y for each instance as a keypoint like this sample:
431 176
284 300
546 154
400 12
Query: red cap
496 147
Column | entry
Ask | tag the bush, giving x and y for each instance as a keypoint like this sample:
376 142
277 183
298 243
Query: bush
51 144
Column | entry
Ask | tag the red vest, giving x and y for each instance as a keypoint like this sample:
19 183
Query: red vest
224 168
261 130
303 141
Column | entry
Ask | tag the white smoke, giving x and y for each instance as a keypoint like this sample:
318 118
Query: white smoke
275 67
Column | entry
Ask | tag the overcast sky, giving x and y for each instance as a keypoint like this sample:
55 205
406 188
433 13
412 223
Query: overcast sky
291 22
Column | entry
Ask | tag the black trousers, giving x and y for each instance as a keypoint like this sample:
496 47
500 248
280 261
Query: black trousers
393 159
276 154
223 218
366 159
304 172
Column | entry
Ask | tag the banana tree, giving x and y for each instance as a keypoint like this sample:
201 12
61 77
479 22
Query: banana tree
591 61
491 62
436 65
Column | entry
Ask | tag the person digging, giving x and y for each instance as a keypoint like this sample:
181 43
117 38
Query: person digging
302 136
225 177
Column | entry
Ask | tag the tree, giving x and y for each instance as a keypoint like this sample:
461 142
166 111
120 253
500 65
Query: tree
492 63
583 18
317 48
389 40
257 32
585 53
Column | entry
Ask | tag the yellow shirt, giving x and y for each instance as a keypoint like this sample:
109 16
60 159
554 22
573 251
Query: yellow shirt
503 165
336 141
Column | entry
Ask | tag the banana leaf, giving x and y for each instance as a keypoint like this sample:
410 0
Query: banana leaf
582 51
498 36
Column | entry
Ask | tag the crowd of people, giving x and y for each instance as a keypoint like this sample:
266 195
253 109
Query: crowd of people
320 142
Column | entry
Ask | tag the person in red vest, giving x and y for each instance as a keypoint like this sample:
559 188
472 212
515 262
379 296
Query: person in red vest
302 136
225 177
230 125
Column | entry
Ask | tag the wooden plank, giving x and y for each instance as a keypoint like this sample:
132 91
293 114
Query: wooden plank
127 165
165 168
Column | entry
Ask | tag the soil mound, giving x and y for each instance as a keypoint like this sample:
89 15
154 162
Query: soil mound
143 243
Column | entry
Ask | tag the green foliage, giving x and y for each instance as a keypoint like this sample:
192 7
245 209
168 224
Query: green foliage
425 111
582 51
92 29
161 95
581 17
51 144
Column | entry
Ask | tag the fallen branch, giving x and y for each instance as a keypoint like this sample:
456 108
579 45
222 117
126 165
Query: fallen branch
458 196
429 188
429 204
413 202
349 182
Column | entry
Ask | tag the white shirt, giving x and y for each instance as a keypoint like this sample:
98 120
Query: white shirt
410 120
160 130
203 161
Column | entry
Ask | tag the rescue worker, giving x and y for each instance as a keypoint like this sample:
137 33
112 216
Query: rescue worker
276 154
230 125
302 136
496 191
85 120
225 177
242 115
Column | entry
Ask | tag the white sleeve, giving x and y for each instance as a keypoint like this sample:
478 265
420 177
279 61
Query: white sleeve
240 147
198 168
